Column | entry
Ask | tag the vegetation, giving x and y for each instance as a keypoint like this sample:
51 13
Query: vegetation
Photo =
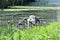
45 32
6 3
28 8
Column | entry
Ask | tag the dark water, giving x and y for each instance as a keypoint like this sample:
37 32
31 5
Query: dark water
47 15
45 2
58 14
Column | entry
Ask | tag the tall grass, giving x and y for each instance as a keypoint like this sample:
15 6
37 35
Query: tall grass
45 32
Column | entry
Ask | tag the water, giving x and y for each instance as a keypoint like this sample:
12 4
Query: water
58 14
45 3
46 15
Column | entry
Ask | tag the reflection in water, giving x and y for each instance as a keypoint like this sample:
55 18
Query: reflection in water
46 15
58 14
45 2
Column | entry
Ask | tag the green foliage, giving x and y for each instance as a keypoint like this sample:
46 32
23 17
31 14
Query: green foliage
45 32
6 3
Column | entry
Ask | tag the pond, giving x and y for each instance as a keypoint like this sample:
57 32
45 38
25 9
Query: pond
49 15
45 3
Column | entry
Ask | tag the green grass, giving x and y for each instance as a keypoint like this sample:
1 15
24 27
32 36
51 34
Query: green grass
28 8
45 32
